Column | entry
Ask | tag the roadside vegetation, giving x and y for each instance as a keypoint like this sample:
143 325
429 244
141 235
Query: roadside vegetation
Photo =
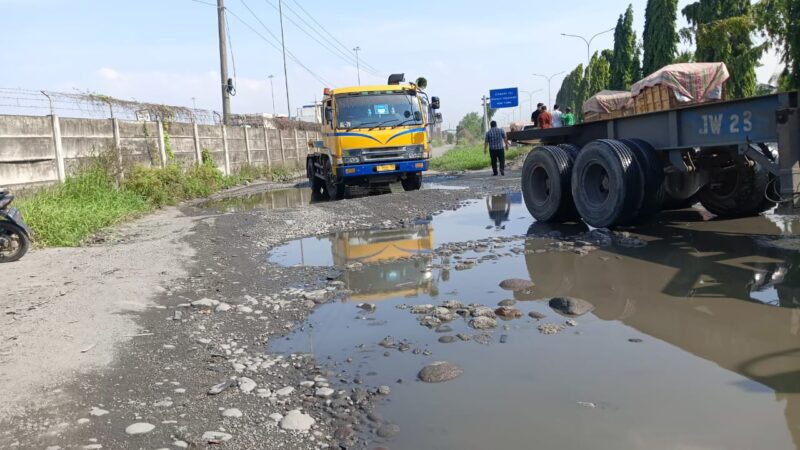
92 199
469 157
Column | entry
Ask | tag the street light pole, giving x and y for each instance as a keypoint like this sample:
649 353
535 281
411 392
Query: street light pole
549 91
530 100
588 43
272 93
358 66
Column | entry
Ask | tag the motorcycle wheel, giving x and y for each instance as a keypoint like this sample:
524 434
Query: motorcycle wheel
14 242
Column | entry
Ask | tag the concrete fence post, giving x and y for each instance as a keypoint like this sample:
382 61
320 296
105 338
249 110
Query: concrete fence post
305 142
162 146
59 150
197 153
283 151
296 145
247 144
225 152
118 147
266 145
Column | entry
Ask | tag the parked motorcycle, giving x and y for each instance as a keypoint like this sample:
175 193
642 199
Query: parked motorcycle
15 236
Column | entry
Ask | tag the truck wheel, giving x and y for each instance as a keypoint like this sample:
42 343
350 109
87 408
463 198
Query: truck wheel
317 185
546 177
606 183
652 179
333 184
413 182
572 149
737 185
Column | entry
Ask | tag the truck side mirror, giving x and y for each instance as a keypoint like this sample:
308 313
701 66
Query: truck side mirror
435 103
328 114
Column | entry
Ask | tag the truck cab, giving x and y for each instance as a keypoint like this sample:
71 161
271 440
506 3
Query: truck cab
372 136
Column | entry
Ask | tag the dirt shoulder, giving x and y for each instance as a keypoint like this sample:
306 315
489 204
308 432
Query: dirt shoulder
144 304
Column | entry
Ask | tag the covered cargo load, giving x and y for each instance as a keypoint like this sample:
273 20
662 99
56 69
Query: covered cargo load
608 105
680 85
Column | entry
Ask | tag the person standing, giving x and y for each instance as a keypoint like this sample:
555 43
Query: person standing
496 143
535 114
568 119
545 119
557 123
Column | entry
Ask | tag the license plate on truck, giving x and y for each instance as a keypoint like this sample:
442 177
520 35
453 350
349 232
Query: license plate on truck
386 168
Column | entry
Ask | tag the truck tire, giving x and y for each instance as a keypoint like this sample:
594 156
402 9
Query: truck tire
546 181
606 184
317 185
413 182
572 149
333 184
652 176
737 185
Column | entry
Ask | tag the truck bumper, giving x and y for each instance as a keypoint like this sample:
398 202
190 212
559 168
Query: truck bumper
365 170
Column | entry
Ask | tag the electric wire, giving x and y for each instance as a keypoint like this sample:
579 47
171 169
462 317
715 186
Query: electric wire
277 46
365 64
230 48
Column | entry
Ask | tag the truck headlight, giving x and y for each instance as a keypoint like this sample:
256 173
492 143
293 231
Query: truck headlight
414 152
352 160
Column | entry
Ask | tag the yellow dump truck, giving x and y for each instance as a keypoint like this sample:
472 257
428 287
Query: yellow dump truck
372 136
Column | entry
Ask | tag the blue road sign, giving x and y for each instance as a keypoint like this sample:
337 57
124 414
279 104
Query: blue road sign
504 98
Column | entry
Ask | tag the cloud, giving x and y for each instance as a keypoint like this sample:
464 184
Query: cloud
108 73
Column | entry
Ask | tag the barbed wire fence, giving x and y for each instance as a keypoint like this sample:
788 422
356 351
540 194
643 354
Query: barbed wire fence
88 105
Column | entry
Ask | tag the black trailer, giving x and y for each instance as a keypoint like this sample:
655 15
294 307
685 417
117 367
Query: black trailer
737 158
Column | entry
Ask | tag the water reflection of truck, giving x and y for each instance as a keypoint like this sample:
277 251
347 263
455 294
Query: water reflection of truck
394 261
693 288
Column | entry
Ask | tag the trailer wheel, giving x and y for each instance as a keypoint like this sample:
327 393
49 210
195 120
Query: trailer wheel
737 185
652 176
334 184
546 177
606 185
413 182
572 149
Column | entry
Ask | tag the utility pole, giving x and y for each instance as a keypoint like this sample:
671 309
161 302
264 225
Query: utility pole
272 93
358 66
549 92
285 72
485 115
223 63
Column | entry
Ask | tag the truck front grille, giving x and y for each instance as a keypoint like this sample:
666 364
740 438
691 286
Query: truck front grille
385 154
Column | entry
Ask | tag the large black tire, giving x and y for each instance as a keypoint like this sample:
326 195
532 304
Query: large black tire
16 242
652 177
333 184
607 184
318 190
572 149
413 182
737 186
546 178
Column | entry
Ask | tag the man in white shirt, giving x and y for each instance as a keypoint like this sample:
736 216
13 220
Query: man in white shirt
556 113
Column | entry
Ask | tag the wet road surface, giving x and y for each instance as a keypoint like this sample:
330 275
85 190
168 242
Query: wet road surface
693 343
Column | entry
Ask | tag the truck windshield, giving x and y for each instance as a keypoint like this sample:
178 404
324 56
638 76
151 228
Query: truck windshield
378 109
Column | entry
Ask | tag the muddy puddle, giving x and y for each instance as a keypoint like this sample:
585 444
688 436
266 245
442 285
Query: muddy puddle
300 196
693 342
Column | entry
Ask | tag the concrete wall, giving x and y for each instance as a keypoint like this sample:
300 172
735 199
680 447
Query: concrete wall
37 151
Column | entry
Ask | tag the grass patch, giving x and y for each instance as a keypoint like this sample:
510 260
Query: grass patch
61 216
469 157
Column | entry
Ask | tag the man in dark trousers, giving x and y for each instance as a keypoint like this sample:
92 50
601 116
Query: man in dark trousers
496 143
535 114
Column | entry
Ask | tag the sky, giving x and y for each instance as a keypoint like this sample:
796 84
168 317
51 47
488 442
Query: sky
166 51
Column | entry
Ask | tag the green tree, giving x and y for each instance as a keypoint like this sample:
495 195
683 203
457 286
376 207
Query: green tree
623 64
599 74
469 128
660 37
779 21
722 31
573 92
